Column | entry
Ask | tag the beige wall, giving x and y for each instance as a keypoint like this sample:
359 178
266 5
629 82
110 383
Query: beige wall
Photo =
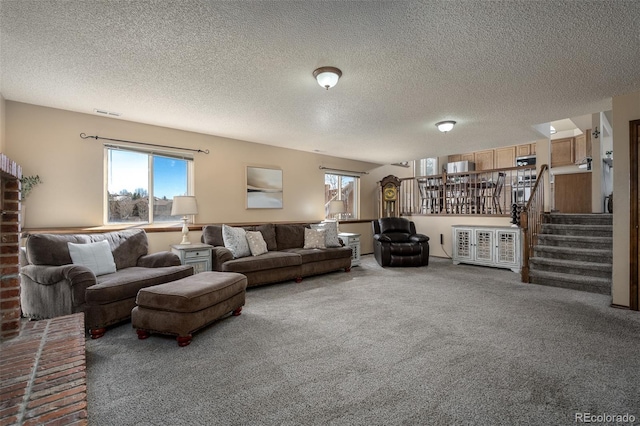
46 142
625 109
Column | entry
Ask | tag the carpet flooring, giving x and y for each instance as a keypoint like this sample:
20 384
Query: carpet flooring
436 345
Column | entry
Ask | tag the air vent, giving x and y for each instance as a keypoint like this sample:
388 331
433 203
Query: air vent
105 112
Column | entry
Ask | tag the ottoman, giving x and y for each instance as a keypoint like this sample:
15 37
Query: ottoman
183 306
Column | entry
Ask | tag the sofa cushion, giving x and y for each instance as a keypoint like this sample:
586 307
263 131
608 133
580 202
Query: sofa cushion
125 283
212 234
394 224
51 249
268 231
289 236
314 238
257 244
192 294
235 239
269 260
318 255
95 256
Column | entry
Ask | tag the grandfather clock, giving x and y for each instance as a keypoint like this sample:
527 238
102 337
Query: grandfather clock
389 187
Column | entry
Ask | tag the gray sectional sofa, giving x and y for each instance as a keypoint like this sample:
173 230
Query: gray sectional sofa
52 285
286 259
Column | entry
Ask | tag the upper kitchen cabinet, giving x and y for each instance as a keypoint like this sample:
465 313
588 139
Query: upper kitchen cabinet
484 160
505 157
562 152
582 146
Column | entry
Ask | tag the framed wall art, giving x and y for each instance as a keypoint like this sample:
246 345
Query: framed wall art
264 188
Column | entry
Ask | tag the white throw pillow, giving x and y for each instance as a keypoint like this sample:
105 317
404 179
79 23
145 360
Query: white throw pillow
235 239
95 256
257 244
314 238
331 233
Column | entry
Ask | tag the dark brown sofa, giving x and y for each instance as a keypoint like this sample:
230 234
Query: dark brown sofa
285 260
51 285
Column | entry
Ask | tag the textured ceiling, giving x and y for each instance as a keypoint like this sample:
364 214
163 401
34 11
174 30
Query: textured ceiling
242 69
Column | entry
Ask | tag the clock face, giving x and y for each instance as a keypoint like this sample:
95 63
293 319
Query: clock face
390 194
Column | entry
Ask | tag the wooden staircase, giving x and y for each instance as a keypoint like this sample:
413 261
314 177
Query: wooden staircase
574 251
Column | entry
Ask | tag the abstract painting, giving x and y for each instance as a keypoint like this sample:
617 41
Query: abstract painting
264 188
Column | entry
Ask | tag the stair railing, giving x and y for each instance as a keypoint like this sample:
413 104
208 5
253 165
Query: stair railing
530 220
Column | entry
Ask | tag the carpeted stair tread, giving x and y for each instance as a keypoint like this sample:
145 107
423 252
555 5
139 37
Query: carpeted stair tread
577 241
571 263
577 250
577 218
575 282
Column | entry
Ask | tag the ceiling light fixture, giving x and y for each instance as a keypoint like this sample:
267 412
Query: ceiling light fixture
445 126
327 77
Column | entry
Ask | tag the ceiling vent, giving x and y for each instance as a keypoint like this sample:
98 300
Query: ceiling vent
105 112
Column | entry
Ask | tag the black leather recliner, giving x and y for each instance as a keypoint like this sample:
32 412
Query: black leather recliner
396 243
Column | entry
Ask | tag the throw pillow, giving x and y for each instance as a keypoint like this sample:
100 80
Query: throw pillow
331 233
257 244
235 239
314 238
95 256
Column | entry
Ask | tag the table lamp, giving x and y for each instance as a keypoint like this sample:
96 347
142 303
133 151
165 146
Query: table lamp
336 208
184 205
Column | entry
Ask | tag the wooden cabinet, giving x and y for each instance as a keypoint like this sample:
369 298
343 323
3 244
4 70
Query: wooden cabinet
572 193
505 157
582 147
562 152
197 255
497 246
468 157
352 240
455 157
522 150
484 160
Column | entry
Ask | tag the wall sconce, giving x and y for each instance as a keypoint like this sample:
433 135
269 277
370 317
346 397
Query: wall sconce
327 77
445 126
595 133
184 205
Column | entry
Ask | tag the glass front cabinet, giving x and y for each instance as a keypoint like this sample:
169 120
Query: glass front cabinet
497 246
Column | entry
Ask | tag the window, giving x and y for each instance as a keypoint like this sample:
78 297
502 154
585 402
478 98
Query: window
135 177
344 188
426 167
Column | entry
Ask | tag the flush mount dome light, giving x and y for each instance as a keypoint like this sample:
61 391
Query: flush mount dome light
445 126
327 77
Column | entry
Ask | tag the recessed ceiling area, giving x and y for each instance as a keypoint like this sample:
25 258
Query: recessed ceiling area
243 70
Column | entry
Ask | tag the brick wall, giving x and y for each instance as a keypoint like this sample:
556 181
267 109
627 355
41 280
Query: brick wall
10 172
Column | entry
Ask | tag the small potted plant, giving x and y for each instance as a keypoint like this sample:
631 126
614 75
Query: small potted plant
27 185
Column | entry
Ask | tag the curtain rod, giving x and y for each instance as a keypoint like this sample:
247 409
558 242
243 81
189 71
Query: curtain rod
341 170
84 136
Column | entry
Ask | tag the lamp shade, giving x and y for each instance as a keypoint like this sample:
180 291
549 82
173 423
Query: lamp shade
184 205
337 206
327 77
445 126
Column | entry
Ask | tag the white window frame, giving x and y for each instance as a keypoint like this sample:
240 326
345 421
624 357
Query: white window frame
356 201
151 154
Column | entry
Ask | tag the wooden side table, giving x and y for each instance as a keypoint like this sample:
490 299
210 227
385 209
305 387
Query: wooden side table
352 240
197 255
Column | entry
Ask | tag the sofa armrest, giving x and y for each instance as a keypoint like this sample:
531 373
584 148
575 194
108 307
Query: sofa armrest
159 260
48 275
70 280
219 255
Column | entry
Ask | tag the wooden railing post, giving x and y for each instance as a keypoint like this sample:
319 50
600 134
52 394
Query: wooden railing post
526 244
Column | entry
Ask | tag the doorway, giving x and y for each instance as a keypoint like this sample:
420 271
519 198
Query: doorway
634 260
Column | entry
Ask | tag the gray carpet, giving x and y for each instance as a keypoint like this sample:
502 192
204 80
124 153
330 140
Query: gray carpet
441 344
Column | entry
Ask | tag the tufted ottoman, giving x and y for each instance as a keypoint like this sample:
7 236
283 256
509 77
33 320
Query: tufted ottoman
186 305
